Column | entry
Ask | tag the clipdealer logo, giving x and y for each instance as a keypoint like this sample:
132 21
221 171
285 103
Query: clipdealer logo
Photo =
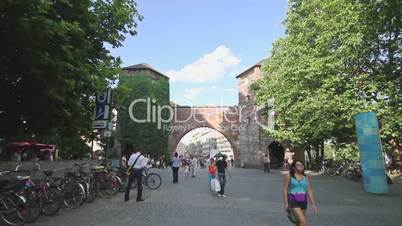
237 115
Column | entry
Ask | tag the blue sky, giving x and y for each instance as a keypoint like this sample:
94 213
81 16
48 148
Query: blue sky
203 44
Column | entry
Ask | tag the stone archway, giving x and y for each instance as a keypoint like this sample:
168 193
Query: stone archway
276 154
223 119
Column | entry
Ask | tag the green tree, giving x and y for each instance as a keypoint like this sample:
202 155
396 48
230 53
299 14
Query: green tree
53 62
147 135
337 58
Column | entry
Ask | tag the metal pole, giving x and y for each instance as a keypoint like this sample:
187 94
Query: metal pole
92 144
107 149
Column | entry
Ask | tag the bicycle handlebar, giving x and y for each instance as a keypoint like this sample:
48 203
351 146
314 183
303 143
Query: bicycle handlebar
19 165
82 165
5 172
23 177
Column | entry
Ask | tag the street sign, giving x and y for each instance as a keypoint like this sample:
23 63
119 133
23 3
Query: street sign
102 112
100 124
104 97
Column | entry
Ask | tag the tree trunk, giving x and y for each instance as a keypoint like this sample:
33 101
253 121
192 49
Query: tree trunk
308 148
322 154
317 156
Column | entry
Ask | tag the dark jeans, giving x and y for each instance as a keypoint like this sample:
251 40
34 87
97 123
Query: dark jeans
266 167
222 182
175 174
137 176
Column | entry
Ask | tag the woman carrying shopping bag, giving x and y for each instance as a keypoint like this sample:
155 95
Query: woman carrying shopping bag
212 174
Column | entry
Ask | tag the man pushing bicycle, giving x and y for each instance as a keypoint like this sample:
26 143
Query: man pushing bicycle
136 163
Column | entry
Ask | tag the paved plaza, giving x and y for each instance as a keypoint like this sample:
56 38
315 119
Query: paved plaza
254 199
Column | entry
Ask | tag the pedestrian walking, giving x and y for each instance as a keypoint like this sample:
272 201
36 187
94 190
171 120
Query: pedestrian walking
175 163
211 170
186 164
266 164
193 165
222 168
137 162
297 189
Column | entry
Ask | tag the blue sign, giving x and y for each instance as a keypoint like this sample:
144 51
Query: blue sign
372 162
102 109
101 112
104 98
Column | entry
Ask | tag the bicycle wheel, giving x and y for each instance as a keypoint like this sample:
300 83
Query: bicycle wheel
14 210
74 195
349 174
134 184
106 189
53 201
332 171
34 203
86 189
93 191
153 181
117 184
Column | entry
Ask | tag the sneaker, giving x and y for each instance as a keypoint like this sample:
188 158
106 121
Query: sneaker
219 195
224 195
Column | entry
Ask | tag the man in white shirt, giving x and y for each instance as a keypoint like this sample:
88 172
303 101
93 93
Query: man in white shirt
193 165
140 163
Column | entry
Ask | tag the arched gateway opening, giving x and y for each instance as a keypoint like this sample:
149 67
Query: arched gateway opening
220 118
276 154
204 143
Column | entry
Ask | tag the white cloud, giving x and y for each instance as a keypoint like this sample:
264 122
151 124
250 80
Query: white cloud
192 93
210 67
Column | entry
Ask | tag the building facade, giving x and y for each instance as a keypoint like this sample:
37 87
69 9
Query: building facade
223 146
253 143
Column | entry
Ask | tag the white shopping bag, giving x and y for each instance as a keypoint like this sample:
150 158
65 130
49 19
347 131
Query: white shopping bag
215 186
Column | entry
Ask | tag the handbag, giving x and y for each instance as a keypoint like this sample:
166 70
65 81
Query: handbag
215 185
130 170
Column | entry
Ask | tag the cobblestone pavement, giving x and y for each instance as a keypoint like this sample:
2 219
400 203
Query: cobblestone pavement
254 199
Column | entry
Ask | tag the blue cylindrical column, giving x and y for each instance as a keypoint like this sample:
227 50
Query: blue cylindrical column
372 162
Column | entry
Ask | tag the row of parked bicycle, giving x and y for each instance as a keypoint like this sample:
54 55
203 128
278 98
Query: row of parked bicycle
348 169
26 194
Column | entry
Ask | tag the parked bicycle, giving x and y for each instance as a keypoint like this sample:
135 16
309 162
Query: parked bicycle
26 192
73 191
31 194
152 180
13 205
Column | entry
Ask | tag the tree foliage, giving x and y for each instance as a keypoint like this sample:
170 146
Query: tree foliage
338 58
53 62
146 135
